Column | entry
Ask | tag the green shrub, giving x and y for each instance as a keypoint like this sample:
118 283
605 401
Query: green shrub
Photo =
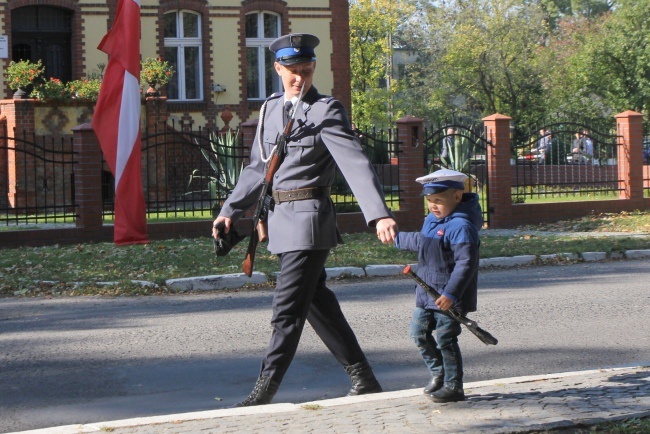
85 89
52 90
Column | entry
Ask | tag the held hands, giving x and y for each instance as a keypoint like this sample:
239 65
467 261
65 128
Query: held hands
386 230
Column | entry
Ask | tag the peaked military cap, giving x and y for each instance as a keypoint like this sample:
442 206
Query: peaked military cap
442 180
295 48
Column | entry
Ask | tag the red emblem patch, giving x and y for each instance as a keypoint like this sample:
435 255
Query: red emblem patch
440 232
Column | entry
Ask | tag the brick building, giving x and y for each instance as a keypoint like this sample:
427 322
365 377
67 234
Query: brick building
219 47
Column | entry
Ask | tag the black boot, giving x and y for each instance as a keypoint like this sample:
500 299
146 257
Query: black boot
363 379
263 392
448 394
434 385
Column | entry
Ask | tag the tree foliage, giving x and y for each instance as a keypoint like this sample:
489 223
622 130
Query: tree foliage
372 26
523 58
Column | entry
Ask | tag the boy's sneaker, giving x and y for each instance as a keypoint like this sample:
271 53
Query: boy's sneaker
434 385
448 394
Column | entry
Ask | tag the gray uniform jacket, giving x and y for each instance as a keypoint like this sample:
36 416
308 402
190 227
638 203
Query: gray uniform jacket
321 138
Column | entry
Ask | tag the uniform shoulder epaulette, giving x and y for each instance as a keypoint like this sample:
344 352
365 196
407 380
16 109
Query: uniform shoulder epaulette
275 96
326 99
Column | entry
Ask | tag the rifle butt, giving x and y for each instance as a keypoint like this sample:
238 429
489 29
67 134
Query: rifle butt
484 336
249 259
247 266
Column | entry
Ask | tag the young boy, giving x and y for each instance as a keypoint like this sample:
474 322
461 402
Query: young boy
447 249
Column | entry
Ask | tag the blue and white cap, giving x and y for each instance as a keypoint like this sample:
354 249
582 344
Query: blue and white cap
295 48
442 180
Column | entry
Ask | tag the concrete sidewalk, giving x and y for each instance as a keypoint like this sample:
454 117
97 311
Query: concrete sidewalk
522 404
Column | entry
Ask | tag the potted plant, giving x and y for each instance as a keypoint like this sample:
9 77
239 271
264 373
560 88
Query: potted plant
21 75
155 72
51 90
85 89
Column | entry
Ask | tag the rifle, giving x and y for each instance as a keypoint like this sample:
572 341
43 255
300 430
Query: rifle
259 232
472 326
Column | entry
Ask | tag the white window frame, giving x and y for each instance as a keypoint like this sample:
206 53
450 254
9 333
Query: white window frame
181 43
262 44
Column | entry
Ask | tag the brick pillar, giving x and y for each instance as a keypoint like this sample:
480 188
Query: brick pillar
248 130
153 160
340 37
20 123
629 127
499 171
156 112
88 182
411 166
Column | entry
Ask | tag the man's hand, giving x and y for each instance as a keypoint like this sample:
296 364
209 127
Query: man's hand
386 230
443 302
219 221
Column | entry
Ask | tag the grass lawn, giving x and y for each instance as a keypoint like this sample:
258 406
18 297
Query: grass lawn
57 270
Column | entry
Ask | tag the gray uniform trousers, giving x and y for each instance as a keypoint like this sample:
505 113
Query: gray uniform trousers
301 294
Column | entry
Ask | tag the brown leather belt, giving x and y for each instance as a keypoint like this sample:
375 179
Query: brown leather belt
280 196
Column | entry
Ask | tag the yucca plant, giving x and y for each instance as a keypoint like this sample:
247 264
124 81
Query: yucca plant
459 154
224 162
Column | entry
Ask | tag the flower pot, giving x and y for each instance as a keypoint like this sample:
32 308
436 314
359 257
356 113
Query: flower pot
20 94
152 91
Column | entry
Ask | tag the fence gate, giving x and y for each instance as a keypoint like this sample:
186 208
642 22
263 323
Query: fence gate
566 158
36 179
382 149
461 146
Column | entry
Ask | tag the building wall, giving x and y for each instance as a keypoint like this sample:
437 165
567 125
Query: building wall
4 32
223 46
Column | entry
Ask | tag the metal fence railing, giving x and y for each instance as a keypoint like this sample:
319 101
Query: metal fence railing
566 160
382 149
461 145
36 179
646 157
188 174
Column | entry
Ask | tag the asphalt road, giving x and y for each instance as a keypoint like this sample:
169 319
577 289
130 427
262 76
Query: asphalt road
89 359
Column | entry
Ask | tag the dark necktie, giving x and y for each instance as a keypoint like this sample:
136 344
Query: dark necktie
287 110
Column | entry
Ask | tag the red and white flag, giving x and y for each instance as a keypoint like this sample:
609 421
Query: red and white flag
116 122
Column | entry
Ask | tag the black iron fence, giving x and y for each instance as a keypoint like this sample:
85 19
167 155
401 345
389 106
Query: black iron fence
382 148
188 174
461 145
565 159
646 156
36 179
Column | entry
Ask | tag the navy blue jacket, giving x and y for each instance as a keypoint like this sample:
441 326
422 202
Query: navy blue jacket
448 254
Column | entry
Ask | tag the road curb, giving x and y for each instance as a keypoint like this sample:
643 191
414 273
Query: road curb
220 281
108 426
238 280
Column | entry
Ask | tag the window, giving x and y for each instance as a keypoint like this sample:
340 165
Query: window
183 50
261 29
43 33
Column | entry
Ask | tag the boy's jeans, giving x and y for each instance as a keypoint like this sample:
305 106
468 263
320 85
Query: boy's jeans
444 359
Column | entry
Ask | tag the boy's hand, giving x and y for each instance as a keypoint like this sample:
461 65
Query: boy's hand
444 302
386 230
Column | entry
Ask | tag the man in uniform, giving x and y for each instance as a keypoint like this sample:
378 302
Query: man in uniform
302 221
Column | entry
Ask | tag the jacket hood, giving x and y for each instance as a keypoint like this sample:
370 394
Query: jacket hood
469 209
